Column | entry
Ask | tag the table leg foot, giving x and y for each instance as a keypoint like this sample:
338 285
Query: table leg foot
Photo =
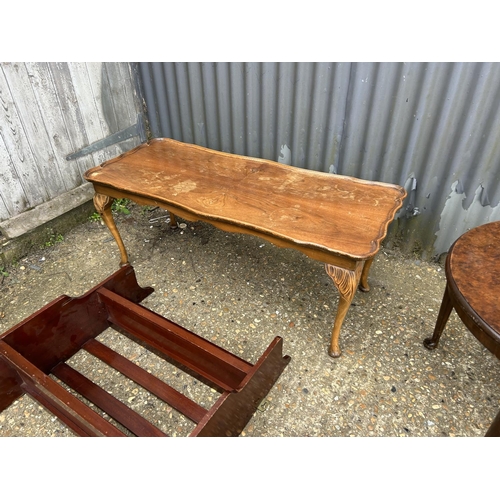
346 282
173 221
103 204
430 344
443 315
334 353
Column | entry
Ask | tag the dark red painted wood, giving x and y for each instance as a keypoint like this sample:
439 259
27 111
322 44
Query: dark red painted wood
213 362
57 331
233 410
43 342
74 413
106 402
155 386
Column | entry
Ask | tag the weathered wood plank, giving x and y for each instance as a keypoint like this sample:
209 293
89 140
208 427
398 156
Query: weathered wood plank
88 86
57 134
4 213
128 96
72 114
11 190
131 97
106 92
119 101
86 100
33 124
24 165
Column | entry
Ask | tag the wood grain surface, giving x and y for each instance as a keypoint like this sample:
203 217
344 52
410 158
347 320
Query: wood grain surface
327 212
474 266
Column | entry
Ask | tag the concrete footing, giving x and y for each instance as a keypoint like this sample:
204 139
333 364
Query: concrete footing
45 223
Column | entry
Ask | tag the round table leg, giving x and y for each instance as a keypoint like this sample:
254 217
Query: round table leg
444 314
494 430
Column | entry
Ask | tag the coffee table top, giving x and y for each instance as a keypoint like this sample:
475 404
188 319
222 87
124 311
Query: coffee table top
473 270
325 212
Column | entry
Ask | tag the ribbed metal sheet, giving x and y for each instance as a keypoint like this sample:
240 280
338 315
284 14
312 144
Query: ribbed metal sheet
254 109
431 127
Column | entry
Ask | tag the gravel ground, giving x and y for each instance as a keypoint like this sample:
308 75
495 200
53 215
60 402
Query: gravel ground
240 292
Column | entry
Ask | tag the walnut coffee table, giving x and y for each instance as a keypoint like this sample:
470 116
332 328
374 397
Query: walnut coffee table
473 290
335 219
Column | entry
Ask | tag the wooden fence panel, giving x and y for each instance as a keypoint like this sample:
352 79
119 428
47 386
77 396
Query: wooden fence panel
50 110
26 186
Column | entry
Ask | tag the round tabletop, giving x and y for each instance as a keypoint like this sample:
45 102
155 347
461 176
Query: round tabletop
473 277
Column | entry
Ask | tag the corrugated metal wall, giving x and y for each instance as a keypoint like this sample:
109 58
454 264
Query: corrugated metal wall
50 110
431 127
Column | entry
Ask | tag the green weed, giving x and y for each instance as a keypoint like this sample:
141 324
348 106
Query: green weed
95 217
53 239
120 206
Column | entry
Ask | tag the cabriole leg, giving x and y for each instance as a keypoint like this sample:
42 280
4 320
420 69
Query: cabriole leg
363 282
103 206
346 282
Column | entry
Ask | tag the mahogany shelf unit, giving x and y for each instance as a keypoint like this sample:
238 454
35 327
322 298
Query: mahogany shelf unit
34 355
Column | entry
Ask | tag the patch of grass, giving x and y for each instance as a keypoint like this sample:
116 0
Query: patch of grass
120 206
95 217
53 239
3 272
